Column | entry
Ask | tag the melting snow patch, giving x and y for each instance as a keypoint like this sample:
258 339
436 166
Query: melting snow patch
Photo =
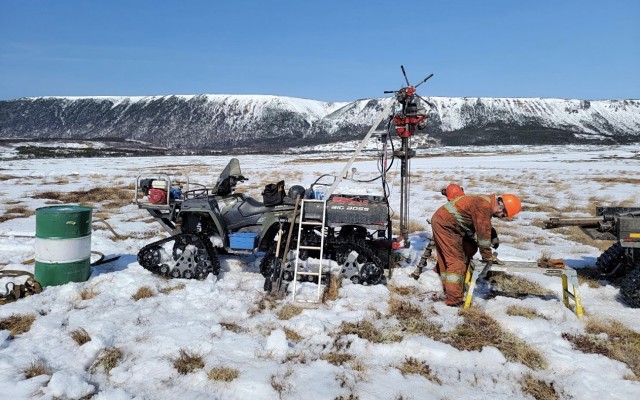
67 384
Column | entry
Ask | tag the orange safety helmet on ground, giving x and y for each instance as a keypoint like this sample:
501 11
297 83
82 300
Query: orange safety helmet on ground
452 191
512 204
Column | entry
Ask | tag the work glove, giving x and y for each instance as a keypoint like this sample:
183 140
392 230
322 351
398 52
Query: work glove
495 242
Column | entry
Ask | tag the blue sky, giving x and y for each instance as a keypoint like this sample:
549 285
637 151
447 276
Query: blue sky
325 50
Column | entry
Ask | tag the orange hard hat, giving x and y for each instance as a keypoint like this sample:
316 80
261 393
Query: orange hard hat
453 190
512 204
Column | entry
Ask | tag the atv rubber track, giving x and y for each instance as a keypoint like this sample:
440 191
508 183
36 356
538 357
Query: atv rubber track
181 263
612 263
371 275
630 288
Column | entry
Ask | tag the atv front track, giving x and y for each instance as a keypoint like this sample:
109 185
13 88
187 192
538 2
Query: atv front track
187 255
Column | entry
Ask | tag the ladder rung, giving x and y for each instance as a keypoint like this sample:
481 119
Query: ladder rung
309 273
312 223
310 247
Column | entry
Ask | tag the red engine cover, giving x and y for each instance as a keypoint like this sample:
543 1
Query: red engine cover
157 196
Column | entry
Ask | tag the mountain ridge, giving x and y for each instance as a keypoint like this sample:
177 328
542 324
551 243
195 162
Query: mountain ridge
266 121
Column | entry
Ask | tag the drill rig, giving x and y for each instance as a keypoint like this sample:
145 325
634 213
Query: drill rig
407 120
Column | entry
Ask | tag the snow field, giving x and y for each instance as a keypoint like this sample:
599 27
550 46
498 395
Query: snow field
229 323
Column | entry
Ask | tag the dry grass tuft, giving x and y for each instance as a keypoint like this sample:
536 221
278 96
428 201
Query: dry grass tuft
16 212
80 336
278 385
403 290
404 309
187 362
527 312
365 329
538 389
517 286
279 382
20 210
265 303
332 289
479 330
337 358
88 293
621 343
17 323
412 319
7 177
411 365
350 397
288 311
608 180
169 289
11 202
232 326
139 235
142 293
107 360
300 358
118 195
545 256
37 368
223 374
292 335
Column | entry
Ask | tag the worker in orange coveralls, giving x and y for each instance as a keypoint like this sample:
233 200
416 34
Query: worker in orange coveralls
454 226
452 191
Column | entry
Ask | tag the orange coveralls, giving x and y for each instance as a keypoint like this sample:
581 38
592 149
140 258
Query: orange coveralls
453 226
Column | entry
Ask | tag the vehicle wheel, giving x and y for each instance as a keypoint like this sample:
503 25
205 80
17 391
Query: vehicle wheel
187 274
368 265
371 273
201 273
151 256
630 288
164 269
175 273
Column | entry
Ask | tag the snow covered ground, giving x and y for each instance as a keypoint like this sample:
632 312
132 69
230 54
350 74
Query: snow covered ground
228 323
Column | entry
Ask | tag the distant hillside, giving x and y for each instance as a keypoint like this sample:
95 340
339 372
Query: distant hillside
233 121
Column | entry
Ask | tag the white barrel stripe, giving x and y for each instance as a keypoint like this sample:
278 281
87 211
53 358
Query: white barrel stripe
63 250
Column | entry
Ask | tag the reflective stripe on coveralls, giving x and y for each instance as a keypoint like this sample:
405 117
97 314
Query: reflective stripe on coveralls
451 277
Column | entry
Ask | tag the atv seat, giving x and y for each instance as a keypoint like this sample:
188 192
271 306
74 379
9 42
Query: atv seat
251 206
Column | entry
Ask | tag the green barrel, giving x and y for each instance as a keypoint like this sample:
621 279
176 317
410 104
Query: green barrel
63 244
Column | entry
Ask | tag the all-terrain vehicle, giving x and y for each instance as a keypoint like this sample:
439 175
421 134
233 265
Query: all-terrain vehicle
203 222
622 260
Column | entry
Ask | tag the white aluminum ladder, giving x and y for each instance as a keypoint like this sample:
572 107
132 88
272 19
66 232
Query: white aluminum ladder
305 223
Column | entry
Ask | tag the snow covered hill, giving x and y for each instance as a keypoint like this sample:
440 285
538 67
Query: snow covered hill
271 122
